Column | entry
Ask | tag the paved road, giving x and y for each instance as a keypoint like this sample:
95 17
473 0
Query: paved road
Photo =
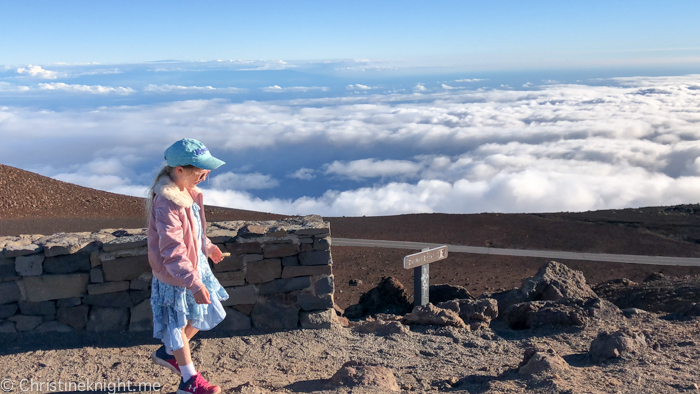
548 254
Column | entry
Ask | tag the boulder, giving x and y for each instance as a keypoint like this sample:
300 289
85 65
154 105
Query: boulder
291 271
124 268
612 345
562 313
390 296
310 302
555 281
8 268
662 295
10 292
8 310
475 313
356 374
263 271
442 293
7 327
434 316
240 295
318 257
542 362
37 308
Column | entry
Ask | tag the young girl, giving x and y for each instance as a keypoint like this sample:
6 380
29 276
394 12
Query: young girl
185 295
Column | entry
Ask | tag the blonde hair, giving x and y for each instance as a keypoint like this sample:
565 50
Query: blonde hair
164 171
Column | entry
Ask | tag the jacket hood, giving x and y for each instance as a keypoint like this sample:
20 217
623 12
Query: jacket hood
165 187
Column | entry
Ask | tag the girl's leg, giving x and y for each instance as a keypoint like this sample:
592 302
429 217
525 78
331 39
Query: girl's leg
182 355
190 331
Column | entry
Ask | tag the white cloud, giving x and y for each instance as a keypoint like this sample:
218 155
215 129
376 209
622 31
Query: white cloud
419 88
278 89
305 174
358 86
8 87
559 147
447 87
233 181
470 80
191 89
91 89
371 168
37 71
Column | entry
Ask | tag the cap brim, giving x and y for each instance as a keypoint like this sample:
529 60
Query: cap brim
208 162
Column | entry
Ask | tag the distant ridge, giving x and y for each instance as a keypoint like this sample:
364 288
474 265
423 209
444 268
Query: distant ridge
34 201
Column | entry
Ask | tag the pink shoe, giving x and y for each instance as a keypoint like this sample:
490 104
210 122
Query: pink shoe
197 385
166 360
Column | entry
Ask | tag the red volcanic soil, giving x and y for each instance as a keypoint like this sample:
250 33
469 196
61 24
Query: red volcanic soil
34 204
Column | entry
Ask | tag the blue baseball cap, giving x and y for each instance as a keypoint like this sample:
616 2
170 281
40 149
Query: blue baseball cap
191 152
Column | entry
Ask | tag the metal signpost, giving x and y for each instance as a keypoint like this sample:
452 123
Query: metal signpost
419 262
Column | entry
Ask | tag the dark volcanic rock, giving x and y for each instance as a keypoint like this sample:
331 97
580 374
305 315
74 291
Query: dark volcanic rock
475 313
670 295
563 313
388 297
442 293
555 281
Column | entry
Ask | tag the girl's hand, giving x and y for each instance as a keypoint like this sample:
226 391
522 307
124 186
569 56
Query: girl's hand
202 296
216 256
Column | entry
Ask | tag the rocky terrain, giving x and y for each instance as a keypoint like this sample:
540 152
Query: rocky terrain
498 325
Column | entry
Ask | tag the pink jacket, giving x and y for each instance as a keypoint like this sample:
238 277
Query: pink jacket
172 247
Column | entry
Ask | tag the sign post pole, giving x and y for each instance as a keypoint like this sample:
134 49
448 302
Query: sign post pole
421 273
421 284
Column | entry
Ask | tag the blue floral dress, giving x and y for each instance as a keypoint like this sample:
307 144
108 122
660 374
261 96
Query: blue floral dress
174 306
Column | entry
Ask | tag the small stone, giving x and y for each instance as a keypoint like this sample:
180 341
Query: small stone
75 317
143 282
7 327
109 287
263 271
96 275
125 268
318 257
322 243
316 319
432 315
240 295
108 319
54 326
310 302
244 248
9 292
280 250
274 316
324 284
8 310
68 302
612 345
66 264
355 282
381 327
234 321
141 317
30 265
305 270
37 308
26 323
285 285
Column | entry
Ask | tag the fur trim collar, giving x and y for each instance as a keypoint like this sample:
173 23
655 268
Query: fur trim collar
165 187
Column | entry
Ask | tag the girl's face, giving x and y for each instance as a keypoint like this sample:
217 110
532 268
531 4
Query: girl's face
189 177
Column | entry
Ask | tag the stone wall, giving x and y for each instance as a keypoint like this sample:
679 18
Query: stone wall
279 276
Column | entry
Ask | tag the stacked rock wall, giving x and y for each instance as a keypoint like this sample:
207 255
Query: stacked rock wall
279 276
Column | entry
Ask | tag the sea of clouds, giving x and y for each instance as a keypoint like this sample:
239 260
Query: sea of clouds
364 148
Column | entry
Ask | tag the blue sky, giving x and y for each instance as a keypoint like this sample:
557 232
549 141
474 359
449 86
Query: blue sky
362 108
501 33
